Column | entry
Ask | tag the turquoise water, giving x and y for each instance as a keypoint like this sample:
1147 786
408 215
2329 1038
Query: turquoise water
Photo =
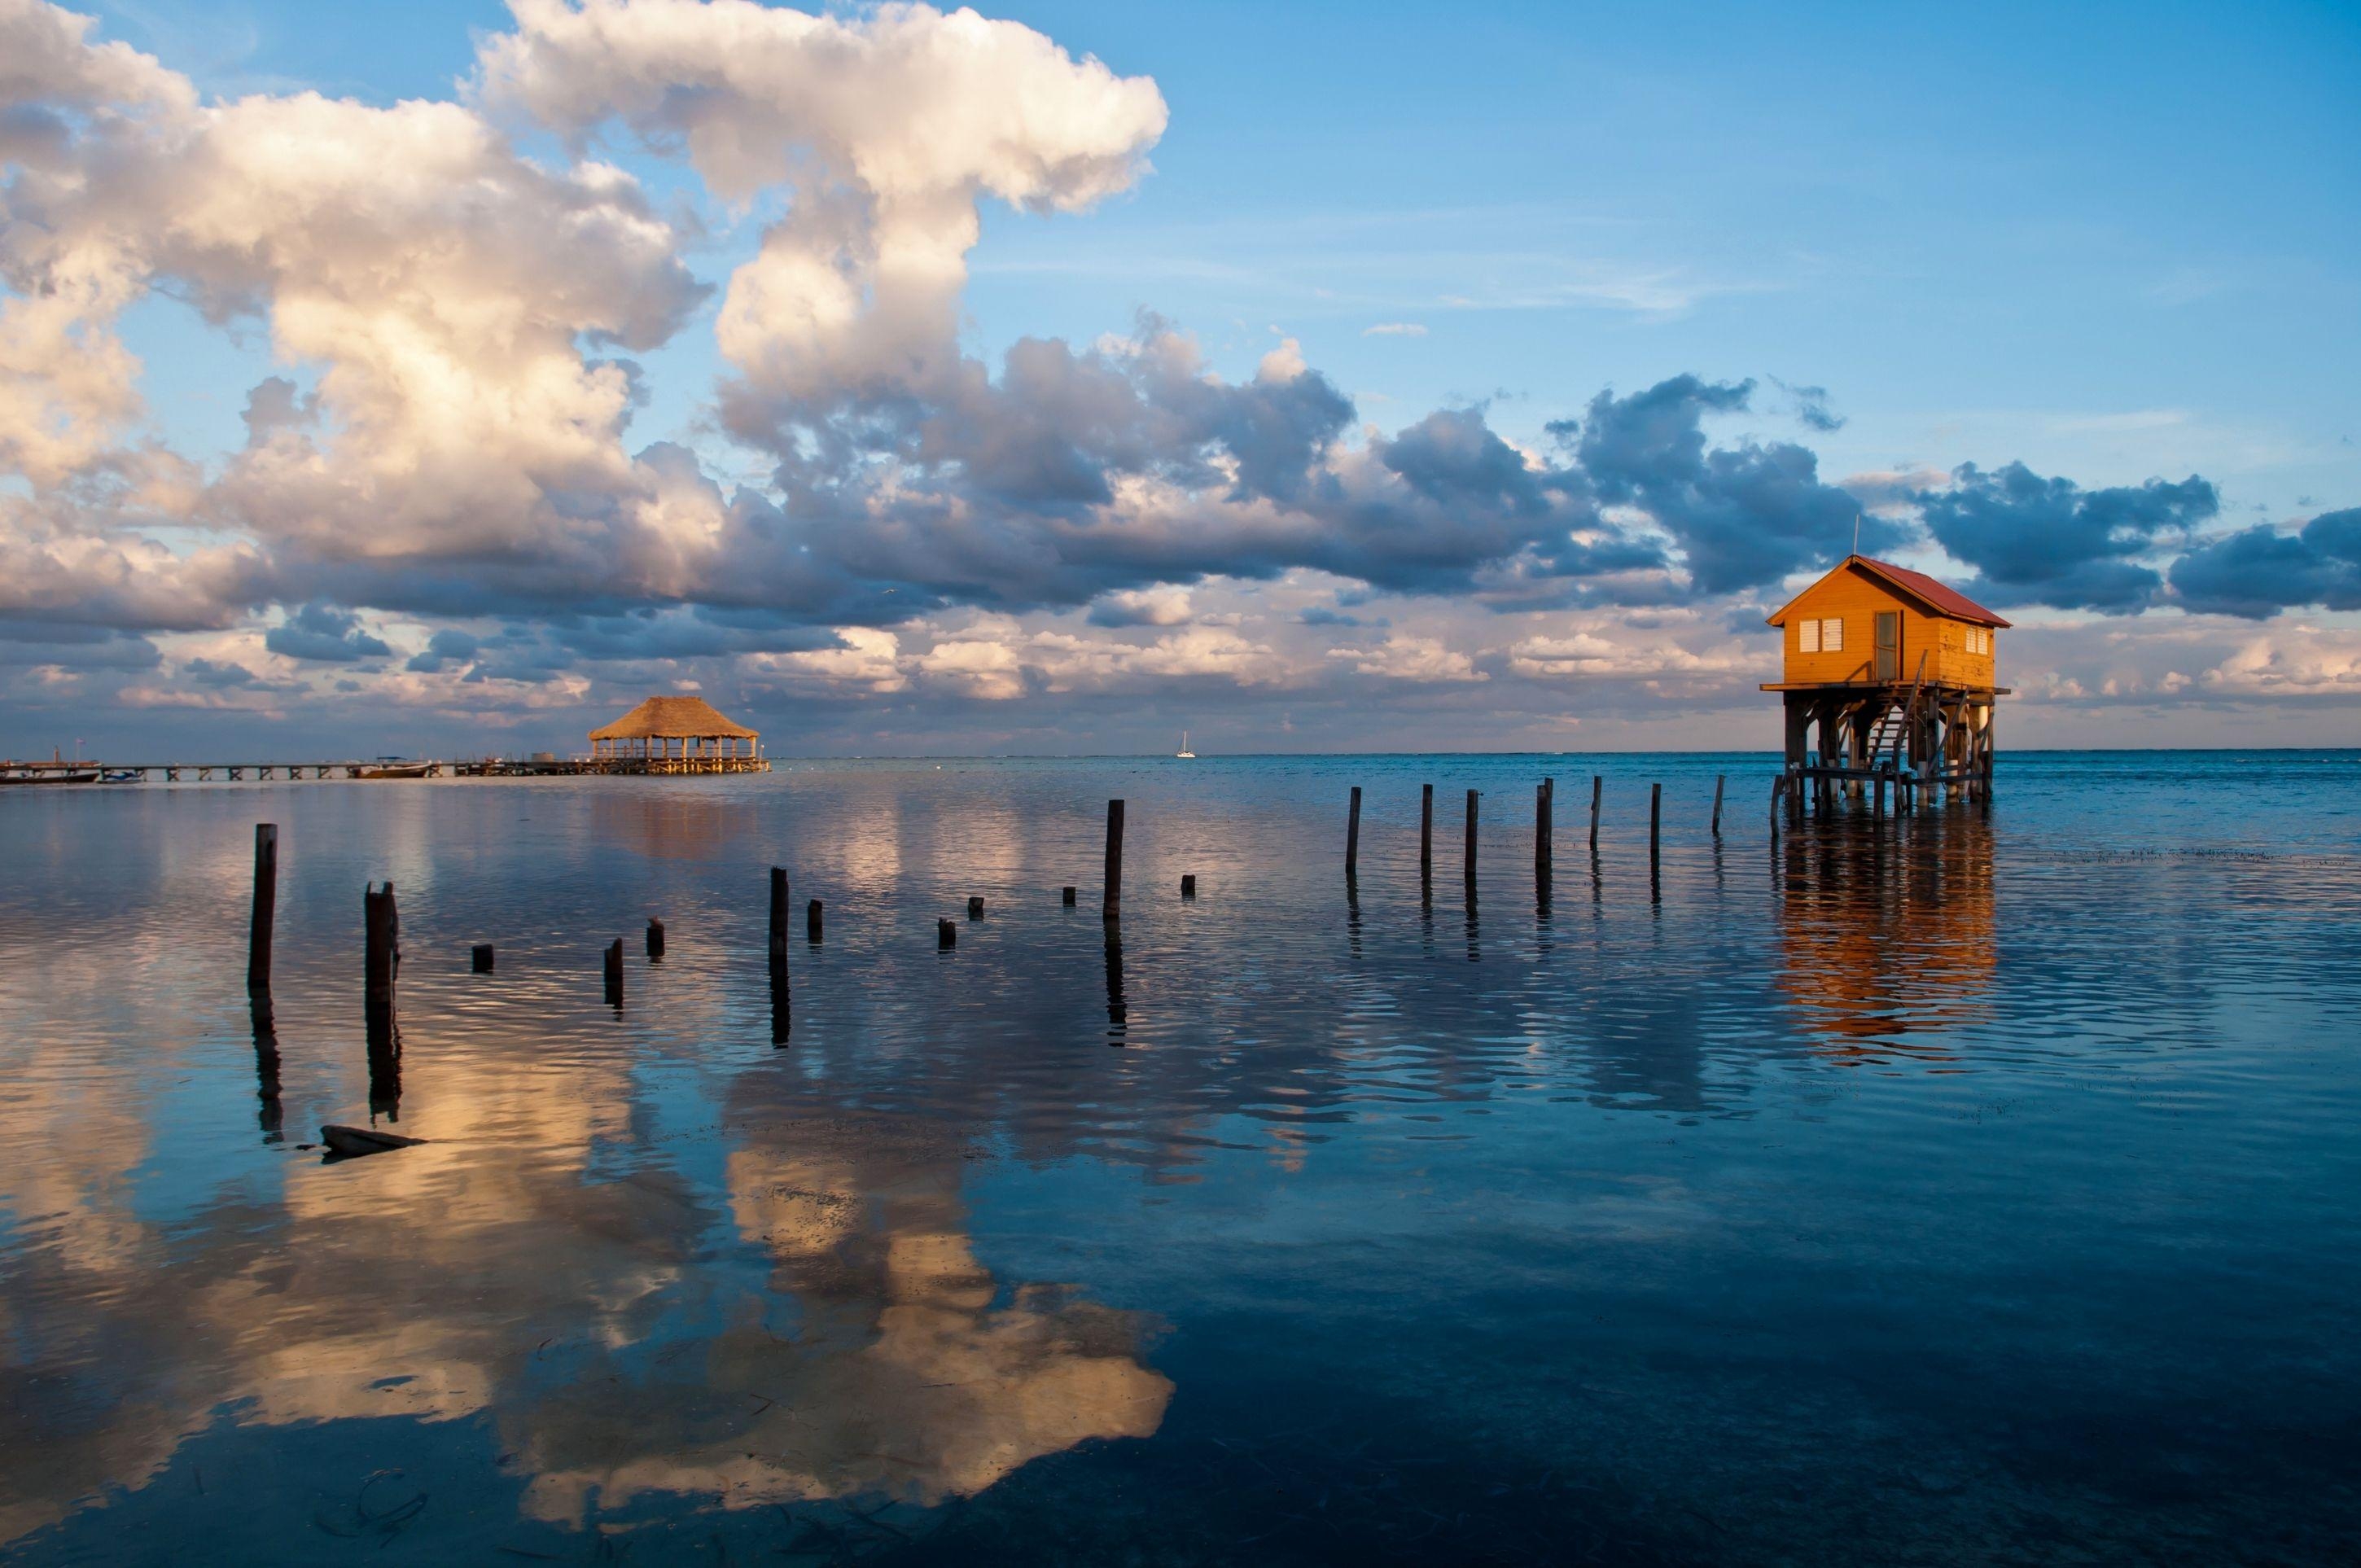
1957 1188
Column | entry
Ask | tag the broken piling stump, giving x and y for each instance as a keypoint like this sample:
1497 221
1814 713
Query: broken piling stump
656 938
614 973
480 957
946 934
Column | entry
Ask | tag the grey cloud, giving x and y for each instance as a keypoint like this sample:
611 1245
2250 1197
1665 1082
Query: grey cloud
1744 516
2036 541
324 634
447 646
2257 572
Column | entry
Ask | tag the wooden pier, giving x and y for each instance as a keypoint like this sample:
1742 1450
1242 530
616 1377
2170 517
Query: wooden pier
377 770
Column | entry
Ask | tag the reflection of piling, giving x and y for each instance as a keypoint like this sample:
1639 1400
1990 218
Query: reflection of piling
1597 784
1425 836
811 921
1353 836
1470 839
1718 780
1118 1015
266 1064
1111 901
266 903
614 973
656 938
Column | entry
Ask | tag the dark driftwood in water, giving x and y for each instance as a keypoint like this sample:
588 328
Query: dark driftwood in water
1111 903
656 938
481 956
353 1141
1189 885
946 933
266 903
614 968
1353 836
811 921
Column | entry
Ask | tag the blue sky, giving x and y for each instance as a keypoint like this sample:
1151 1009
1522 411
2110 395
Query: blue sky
2115 245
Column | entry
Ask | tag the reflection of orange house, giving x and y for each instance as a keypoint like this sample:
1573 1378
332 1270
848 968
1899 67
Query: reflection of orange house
1875 952
1894 668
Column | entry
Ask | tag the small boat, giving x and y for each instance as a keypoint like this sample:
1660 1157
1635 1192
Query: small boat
393 771
1185 752
44 773
122 775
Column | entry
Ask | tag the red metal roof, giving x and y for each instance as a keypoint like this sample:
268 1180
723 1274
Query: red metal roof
1951 601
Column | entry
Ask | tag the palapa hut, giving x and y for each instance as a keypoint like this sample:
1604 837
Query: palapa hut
676 735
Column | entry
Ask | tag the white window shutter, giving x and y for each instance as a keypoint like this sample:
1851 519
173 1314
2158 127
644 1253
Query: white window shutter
1808 636
1832 634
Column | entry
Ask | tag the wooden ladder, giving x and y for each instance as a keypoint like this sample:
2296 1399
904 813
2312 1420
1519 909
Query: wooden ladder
1894 724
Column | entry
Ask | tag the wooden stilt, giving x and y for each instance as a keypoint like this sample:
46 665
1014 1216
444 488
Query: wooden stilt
1471 837
1598 784
1353 836
1425 834
1111 900
1718 780
1655 817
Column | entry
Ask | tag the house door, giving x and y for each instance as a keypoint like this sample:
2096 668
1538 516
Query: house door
1889 645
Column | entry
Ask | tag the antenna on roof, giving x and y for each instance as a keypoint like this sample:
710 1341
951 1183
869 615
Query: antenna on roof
1856 531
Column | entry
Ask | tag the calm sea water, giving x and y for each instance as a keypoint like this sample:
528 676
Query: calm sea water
1968 1189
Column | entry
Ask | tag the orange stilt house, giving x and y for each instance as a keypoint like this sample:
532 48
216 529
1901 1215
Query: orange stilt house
676 735
1894 673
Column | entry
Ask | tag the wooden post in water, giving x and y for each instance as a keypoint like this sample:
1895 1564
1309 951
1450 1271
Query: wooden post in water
1471 839
656 938
1656 816
1189 885
379 924
1111 901
1067 893
1425 834
614 972
1778 789
946 934
1718 780
480 958
778 952
976 906
1544 800
1597 783
266 905
1353 837
811 921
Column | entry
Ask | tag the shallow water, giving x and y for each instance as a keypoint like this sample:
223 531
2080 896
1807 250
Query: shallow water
1967 1189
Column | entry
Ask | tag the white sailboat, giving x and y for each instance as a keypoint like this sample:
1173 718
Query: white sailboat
1185 750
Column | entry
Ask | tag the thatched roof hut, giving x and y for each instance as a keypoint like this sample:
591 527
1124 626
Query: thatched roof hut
676 734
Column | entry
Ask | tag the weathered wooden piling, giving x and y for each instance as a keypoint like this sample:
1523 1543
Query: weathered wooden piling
1655 817
266 905
480 958
778 922
1111 901
1353 836
1597 784
1718 780
1189 885
811 921
1425 833
1066 893
656 938
1544 793
1470 840
614 972
946 933
381 925
976 906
